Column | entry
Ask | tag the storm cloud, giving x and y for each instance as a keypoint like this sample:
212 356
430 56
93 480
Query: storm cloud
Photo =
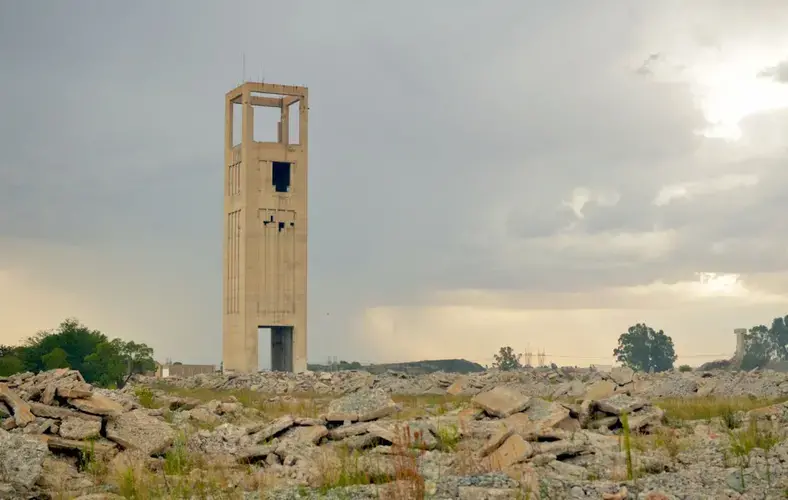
560 150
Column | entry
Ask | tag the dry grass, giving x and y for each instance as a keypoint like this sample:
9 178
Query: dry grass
306 404
664 438
429 404
708 408
180 475
301 404
399 477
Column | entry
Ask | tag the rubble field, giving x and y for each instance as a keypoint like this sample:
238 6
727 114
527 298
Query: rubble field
552 433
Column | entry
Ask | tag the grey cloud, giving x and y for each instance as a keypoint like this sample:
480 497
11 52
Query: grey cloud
778 73
439 142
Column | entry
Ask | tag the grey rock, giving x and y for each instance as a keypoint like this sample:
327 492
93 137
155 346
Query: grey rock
622 375
138 430
620 404
502 401
21 459
79 428
362 406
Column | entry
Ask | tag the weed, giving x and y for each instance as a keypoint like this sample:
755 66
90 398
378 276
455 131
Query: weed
345 468
130 486
743 441
730 418
88 461
177 461
544 489
627 445
406 467
662 438
449 437
145 396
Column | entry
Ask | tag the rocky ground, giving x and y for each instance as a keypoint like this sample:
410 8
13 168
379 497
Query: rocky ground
542 382
540 434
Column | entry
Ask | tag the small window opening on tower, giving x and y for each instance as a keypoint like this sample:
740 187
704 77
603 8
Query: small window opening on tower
280 176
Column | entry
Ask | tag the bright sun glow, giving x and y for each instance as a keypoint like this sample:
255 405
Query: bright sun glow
718 284
731 89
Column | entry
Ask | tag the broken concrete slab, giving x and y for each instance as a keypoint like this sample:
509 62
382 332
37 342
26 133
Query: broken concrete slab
620 404
310 434
57 444
19 408
495 441
549 415
256 453
649 417
622 375
514 450
74 390
276 427
97 404
361 406
600 390
458 386
502 401
346 431
21 459
79 428
138 430
60 413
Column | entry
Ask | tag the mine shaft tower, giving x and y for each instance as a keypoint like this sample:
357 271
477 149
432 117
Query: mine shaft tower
265 230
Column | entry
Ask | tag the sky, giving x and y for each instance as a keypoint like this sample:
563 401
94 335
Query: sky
539 174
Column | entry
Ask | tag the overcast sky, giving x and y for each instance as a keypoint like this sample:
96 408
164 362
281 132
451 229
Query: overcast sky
533 174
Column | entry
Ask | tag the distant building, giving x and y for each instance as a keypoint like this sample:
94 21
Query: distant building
181 370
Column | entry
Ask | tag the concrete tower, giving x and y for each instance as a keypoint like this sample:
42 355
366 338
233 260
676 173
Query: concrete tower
739 355
265 229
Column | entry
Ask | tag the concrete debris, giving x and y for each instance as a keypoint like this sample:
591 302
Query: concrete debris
545 383
137 430
80 428
21 460
549 433
502 401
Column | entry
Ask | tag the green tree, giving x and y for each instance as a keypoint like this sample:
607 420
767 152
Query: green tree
507 360
138 358
643 349
100 360
7 350
77 340
763 344
57 358
105 366
10 365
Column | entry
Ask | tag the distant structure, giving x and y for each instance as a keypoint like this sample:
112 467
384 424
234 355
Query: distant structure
541 356
265 230
528 357
169 369
739 355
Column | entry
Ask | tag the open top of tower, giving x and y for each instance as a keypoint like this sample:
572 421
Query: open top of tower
284 98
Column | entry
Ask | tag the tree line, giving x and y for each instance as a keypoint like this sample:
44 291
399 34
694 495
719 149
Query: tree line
102 361
644 349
